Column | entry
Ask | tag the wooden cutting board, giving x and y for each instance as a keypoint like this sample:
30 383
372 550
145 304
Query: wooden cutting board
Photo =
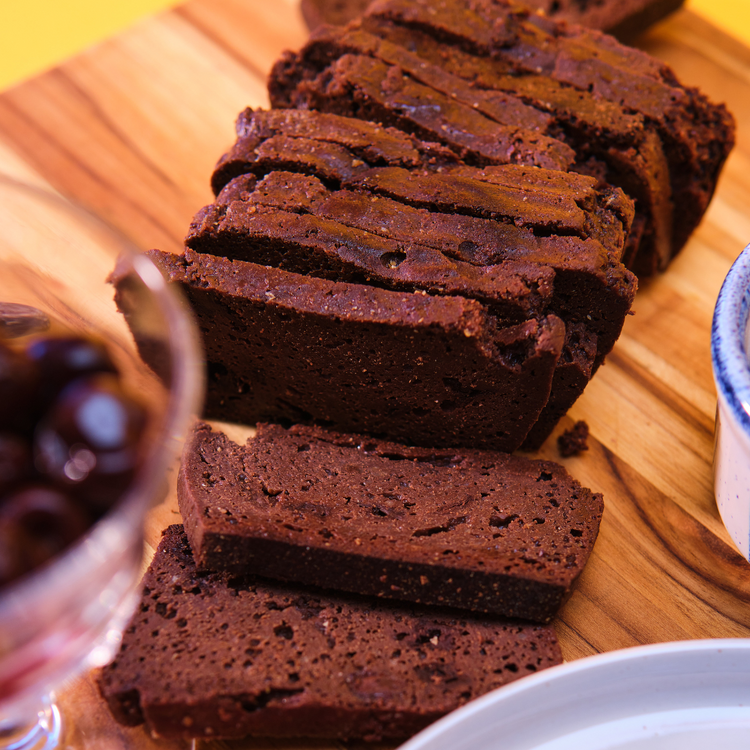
132 129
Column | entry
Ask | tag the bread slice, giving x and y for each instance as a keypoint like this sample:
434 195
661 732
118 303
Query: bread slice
421 369
479 530
291 221
328 145
215 655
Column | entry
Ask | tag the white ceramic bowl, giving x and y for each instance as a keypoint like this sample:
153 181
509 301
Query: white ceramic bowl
691 695
729 354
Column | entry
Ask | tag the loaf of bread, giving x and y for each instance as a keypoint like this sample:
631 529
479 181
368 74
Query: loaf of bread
478 530
496 71
457 150
216 655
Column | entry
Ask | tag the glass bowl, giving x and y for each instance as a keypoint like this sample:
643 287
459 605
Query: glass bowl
67 615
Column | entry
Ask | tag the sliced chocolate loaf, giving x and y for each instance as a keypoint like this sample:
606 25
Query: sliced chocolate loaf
216 655
421 369
398 214
621 18
438 69
478 530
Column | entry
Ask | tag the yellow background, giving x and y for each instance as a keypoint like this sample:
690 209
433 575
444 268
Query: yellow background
36 34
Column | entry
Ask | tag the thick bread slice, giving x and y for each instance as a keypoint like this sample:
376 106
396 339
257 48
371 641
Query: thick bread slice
479 530
314 139
223 656
420 369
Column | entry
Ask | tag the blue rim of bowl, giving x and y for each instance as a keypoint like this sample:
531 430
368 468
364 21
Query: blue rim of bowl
728 333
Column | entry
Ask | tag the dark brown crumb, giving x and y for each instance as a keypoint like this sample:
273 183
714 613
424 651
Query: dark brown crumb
573 441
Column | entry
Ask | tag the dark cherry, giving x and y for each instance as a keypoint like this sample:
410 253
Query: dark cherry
18 387
43 521
70 441
90 440
16 464
61 360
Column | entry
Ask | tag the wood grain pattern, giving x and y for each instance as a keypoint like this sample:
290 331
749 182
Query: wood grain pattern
132 128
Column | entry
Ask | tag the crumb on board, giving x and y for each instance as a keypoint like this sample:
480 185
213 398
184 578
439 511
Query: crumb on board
573 441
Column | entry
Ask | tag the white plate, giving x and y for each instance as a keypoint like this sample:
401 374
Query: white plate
691 695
